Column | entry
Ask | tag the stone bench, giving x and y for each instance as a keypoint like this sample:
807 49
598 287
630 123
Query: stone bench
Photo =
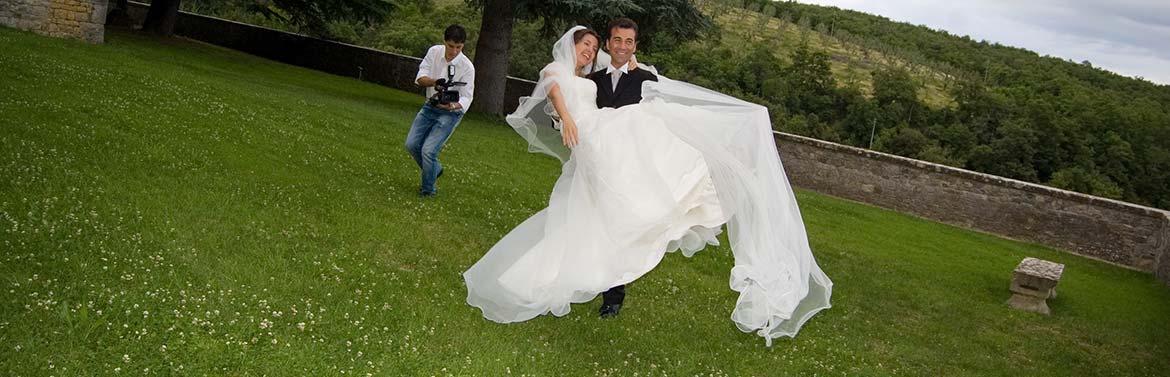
1034 282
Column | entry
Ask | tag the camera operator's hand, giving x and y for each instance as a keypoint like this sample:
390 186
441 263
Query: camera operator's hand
569 132
450 106
440 82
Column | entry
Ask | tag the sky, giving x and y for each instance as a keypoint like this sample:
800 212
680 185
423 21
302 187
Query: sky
1129 37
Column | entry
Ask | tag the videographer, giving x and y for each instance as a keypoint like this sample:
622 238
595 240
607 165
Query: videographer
449 77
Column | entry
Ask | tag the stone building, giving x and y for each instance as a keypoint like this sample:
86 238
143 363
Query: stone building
80 19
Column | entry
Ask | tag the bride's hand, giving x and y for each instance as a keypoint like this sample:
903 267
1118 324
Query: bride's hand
569 132
633 63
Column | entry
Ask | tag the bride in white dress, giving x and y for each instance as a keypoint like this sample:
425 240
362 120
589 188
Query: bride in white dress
644 180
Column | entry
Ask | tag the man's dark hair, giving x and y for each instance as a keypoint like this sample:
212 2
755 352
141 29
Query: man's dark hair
455 33
624 23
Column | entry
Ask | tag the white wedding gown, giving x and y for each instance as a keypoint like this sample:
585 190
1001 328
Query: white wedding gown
645 180
630 193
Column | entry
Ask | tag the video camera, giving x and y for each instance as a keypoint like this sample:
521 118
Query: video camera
444 94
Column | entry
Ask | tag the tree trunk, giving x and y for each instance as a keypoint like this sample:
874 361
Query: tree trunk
120 15
161 17
491 57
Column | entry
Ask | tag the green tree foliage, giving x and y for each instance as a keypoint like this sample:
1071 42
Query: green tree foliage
903 140
1092 182
1010 155
316 15
809 84
320 18
894 85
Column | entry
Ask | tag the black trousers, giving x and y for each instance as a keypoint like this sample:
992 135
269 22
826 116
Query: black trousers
614 296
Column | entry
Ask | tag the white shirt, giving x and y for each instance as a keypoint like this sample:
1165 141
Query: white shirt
615 74
434 65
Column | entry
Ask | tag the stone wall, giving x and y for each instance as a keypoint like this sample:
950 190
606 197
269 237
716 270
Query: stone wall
1114 231
380 67
80 19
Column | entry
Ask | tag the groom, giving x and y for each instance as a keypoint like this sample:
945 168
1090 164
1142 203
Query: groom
619 85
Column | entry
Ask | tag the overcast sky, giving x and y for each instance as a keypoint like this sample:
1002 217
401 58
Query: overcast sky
1130 37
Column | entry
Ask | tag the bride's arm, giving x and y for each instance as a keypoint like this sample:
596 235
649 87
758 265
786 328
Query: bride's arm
634 65
568 127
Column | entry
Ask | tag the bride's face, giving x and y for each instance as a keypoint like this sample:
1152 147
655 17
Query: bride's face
586 49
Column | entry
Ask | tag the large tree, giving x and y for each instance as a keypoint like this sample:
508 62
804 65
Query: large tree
662 23
491 55
120 15
161 17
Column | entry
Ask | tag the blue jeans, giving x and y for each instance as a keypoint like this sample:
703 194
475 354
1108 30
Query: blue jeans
430 130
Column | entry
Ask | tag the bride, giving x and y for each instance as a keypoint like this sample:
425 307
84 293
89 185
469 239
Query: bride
644 180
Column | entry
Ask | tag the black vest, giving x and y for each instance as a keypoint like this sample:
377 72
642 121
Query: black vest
629 87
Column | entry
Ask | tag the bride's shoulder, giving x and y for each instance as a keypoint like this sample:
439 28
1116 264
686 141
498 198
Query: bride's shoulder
552 69
559 73
586 80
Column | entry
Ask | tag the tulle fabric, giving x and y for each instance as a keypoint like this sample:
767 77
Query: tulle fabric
780 284
535 119
702 158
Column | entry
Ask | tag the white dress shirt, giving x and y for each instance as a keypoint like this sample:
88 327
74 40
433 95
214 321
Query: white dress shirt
615 74
434 65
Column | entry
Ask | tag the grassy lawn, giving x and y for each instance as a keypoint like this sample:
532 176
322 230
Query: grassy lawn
168 207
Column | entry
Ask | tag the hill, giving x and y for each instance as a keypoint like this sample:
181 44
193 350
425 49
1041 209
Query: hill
853 62
935 96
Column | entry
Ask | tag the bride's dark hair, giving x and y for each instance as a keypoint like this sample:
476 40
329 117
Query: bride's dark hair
579 34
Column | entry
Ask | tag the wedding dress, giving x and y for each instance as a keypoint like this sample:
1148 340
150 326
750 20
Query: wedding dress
646 180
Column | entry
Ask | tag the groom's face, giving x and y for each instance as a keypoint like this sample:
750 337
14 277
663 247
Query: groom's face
621 44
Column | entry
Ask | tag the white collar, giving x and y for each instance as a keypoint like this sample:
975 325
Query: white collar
625 68
443 57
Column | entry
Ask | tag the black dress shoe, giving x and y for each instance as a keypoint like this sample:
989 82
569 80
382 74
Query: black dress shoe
610 310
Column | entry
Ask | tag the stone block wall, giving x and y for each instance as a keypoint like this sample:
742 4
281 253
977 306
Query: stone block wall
80 19
1110 230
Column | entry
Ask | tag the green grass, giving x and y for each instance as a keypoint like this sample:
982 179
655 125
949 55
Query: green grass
168 207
